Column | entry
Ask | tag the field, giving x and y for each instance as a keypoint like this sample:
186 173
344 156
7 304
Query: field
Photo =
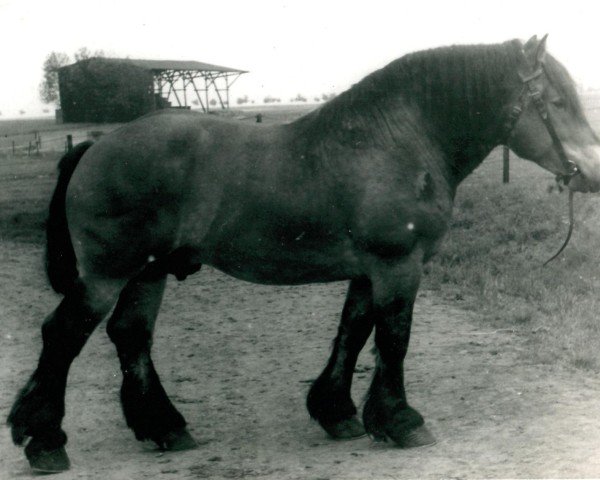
503 361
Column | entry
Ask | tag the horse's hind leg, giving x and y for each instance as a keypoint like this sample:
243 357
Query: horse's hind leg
40 406
146 406
329 399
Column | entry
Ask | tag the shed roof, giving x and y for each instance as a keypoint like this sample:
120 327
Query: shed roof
162 65
182 65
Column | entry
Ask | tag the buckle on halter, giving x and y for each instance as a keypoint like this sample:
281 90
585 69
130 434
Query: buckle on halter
565 178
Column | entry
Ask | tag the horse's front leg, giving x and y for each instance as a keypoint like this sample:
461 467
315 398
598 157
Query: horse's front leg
387 413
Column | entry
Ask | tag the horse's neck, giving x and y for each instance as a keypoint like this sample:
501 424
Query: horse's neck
466 141
465 136
465 115
451 100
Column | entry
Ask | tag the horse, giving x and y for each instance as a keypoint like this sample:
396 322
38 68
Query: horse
360 189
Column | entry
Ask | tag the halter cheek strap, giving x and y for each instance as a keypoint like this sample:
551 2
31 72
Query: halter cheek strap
531 93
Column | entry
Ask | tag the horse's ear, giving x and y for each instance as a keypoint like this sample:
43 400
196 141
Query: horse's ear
530 44
535 50
540 55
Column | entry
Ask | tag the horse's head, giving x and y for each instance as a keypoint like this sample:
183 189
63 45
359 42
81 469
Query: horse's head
547 124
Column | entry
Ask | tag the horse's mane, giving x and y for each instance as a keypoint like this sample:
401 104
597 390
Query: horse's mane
451 86
443 76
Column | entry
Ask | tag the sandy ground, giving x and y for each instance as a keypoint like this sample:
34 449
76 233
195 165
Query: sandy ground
237 359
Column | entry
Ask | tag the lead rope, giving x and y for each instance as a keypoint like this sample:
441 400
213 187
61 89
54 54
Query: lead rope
571 222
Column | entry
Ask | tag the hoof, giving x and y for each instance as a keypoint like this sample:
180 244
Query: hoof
345 429
47 461
178 440
419 437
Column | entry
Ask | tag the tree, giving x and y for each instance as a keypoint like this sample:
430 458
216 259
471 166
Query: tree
49 85
84 53
49 92
270 99
298 98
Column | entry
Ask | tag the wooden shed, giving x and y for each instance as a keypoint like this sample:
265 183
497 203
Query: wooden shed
118 90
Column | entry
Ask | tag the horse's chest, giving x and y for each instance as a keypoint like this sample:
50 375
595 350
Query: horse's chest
390 221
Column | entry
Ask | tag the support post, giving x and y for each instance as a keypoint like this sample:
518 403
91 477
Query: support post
206 93
69 143
505 164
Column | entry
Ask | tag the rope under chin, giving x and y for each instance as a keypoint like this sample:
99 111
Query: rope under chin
571 222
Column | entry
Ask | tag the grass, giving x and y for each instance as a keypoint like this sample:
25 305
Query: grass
500 237
26 185
491 260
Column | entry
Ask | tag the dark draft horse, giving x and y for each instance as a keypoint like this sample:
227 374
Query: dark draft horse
360 189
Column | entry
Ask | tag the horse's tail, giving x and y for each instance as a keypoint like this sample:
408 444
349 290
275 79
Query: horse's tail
61 264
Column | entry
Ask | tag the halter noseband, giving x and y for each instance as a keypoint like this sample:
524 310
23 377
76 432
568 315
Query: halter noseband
532 93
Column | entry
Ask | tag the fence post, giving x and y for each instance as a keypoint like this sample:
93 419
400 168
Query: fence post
69 143
506 165
29 149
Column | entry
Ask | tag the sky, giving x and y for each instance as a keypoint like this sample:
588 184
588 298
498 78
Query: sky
309 47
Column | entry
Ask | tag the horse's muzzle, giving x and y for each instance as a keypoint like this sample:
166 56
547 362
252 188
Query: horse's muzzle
581 183
587 160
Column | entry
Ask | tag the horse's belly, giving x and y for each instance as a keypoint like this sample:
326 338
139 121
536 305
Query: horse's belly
283 264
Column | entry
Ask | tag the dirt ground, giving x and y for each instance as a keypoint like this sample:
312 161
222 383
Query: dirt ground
237 359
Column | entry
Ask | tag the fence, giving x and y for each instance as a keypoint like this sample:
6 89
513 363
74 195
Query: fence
36 142
34 145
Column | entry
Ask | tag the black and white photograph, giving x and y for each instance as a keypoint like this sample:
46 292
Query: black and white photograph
288 240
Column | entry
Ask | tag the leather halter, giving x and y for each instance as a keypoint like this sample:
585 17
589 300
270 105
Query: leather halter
531 93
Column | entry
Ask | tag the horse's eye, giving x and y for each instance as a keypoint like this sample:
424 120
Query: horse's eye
559 103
